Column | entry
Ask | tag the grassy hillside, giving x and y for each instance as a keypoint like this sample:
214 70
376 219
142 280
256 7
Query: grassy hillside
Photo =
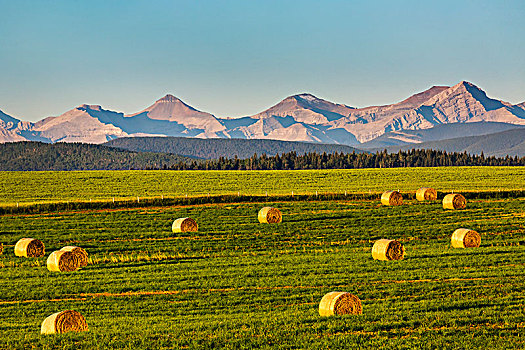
228 148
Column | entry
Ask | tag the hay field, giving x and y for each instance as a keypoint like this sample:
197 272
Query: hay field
38 187
239 284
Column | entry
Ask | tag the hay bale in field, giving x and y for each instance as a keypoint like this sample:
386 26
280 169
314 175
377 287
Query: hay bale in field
64 321
454 201
465 238
391 198
340 303
388 249
426 194
62 261
81 254
30 248
270 215
184 225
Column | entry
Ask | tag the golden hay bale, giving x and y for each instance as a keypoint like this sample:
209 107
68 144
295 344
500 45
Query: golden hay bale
81 254
454 201
184 225
270 215
340 303
64 321
465 238
62 261
30 248
391 198
388 249
426 194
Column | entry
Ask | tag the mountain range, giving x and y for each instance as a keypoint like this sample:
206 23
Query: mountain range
438 113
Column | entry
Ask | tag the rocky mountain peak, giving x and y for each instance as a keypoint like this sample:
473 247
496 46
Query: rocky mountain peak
168 98
85 107
306 96
419 98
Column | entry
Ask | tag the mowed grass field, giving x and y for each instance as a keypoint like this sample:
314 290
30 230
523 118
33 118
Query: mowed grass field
38 187
240 284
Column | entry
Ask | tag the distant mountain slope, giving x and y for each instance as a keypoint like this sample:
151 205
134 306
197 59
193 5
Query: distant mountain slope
172 117
228 148
85 123
439 132
302 117
12 129
501 144
30 155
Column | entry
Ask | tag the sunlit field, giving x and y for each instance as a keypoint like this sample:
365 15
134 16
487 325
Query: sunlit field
239 284
25 187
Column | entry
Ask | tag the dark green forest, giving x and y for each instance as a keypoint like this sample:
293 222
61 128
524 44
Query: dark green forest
79 156
292 161
29 155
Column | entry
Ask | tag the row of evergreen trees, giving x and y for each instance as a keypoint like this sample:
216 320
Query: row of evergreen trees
292 161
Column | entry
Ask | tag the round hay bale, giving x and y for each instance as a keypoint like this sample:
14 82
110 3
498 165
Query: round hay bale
426 194
64 321
391 198
340 303
81 254
465 238
270 215
388 249
30 248
184 225
454 201
62 261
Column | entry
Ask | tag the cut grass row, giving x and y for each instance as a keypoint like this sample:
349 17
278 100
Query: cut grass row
237 283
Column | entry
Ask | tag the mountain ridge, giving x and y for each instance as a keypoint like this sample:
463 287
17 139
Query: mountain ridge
302 117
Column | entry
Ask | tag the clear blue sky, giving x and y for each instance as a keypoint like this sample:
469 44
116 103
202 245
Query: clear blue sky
236 58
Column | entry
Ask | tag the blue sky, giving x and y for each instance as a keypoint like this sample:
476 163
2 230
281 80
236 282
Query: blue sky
236 58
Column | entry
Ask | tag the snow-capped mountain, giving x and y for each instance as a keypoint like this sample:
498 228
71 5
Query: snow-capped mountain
302 117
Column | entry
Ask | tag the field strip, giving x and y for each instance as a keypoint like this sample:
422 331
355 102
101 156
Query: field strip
40 300
426 329
84 296
145 210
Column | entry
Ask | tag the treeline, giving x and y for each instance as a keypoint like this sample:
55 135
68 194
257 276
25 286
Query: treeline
293 161
79 156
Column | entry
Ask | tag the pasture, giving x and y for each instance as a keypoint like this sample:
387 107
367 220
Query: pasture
55 186
239 284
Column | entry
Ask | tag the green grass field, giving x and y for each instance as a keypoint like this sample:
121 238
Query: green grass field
240 284
30 187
